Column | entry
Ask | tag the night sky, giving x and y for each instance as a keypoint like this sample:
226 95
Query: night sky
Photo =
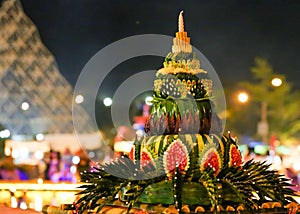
229 33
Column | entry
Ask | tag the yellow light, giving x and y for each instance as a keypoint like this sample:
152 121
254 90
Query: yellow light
13 202
40 137
276 82
38 203
40 181
15 154
79 99
296 167
34 186
7 151
39 155
12 189
243 97
123 146
23 205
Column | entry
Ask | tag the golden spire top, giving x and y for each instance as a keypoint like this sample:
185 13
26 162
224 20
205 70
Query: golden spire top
180 22
181 43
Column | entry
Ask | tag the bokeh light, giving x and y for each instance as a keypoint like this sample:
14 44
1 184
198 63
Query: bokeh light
276 82
79 99
243 97
107 101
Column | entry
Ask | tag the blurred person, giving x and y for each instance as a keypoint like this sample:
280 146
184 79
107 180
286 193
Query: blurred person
249 155
10 171
65 170
53 166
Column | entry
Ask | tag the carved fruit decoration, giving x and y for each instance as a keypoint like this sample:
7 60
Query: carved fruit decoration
211 158
176 156
146 158
235 158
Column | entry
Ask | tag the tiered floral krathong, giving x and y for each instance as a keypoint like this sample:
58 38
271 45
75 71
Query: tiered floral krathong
184 161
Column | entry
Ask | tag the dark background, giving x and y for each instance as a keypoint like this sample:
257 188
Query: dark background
229 33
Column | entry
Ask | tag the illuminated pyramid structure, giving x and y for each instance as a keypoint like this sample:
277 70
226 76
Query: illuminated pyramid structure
29 76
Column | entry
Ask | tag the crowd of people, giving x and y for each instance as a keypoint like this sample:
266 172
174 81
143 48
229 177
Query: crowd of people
55 167
10 171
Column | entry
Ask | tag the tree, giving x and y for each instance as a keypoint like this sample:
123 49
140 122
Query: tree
278 106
